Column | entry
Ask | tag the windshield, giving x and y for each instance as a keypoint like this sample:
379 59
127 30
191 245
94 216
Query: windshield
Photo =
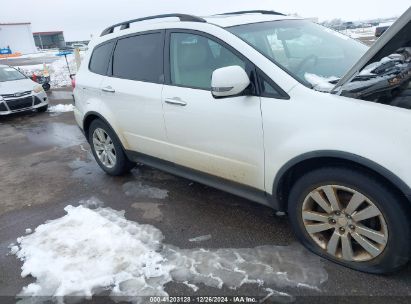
303 48
9 74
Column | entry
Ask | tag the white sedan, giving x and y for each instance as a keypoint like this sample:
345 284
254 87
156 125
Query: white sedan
19 93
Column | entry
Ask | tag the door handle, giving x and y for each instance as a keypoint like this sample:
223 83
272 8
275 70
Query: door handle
177 101
108 89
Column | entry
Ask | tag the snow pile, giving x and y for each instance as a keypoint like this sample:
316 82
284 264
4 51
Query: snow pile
59 73
320 83
61 108
90 250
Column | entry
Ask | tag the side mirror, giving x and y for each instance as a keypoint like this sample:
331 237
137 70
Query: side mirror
229 81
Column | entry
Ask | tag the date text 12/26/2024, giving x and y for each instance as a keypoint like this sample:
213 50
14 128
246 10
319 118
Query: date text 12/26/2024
204 299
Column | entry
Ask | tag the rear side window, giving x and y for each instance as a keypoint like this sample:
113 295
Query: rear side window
100 58
139 58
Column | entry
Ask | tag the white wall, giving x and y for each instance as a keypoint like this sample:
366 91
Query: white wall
18 37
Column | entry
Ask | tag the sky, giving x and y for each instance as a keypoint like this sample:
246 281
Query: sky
81 18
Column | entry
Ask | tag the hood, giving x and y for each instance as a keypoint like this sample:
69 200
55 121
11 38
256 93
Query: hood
17 86
396 37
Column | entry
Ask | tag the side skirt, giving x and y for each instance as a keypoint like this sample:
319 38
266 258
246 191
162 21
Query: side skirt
247 192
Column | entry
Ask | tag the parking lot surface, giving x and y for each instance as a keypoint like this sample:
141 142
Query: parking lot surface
46 164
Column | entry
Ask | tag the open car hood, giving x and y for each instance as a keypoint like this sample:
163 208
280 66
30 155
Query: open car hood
396 37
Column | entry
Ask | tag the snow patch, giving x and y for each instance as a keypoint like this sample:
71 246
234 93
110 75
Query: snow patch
201 238
89 250
13 248
61 108
192 286
138 190
151 211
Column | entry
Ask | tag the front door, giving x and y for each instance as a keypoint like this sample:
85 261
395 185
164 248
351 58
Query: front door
222 137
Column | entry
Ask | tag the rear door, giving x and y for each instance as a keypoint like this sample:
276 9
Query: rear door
222 137
132 91
88 83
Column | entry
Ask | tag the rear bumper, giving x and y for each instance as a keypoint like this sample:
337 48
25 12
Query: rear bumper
78 117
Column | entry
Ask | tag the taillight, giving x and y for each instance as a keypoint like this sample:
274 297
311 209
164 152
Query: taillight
73 81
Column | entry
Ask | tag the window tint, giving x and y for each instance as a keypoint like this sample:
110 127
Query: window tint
100 58
194 58
268 88
269 91
139 58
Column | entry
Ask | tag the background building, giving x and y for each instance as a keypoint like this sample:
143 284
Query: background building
49 40
18 37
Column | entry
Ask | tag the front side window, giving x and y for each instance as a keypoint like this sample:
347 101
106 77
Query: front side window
100 58
303 48
139 58
9 74
194 58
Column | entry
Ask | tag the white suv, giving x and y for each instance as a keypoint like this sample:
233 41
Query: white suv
272 108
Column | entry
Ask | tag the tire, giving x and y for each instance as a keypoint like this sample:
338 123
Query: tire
121 165
43 109
394 229
46 86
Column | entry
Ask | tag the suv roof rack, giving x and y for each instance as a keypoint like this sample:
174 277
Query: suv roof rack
126 24
264 12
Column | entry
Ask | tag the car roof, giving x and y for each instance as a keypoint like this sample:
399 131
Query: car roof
167 20
241 18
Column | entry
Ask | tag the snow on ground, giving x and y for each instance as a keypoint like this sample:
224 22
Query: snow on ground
360 32
61 108
59 73
200 238
90 250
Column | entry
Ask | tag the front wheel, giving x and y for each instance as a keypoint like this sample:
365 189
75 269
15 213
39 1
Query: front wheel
107 149
351 218
43 108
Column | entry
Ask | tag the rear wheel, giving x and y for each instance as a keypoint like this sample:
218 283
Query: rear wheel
351 218
107 149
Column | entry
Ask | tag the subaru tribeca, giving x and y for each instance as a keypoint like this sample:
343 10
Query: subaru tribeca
269 107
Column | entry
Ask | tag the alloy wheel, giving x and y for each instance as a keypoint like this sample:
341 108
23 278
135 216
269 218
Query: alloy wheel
345 223
104 147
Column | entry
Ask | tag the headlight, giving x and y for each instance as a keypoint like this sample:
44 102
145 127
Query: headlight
38 89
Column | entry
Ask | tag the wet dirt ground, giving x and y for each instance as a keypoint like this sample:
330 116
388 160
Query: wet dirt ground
45 165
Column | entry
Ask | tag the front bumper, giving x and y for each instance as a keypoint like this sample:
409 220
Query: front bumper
27 102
